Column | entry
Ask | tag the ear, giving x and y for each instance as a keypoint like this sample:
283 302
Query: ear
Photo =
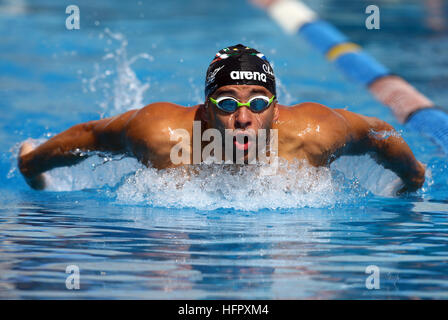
203 112
276 112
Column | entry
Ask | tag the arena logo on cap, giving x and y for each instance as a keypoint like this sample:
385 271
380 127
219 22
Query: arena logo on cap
248 75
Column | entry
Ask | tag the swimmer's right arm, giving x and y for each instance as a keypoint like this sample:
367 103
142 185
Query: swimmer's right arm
370 135
64 149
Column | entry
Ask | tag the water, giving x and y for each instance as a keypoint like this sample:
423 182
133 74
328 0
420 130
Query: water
139 233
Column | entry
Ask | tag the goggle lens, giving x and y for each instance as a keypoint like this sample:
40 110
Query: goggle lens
258 104
228 105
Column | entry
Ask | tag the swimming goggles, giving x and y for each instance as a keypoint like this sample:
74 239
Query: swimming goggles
255 104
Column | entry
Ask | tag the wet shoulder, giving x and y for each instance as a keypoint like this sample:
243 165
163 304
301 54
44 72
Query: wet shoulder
310 128
308 110
153 124
163 114
165 111
308 114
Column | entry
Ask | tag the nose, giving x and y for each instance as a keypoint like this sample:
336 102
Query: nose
243 118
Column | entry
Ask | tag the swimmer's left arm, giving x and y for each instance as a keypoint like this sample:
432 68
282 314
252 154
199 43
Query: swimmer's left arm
379 139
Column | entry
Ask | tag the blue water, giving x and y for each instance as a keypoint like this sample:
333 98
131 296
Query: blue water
136 233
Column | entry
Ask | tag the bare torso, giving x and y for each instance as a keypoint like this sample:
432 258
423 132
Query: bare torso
306 131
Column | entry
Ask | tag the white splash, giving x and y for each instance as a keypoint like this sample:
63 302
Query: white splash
382 135
120 86
368 174
210 187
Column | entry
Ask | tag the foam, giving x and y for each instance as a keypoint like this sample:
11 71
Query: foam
114 77
210 187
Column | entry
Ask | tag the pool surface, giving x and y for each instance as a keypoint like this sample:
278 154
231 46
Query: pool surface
136 233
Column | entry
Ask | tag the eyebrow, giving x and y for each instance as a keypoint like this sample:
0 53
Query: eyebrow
234 92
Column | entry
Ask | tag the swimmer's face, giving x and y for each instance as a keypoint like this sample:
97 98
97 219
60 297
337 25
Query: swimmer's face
243 120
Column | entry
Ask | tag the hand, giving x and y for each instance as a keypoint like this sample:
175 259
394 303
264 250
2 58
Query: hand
416 181
37 182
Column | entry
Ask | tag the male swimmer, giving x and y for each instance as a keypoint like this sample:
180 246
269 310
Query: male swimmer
240 96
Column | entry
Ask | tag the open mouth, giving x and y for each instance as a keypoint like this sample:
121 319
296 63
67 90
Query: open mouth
242 142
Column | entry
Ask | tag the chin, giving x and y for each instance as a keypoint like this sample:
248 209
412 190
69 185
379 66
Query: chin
245 156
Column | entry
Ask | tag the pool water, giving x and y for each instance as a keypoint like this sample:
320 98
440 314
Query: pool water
137 233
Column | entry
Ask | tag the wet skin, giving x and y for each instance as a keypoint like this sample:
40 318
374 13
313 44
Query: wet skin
308 131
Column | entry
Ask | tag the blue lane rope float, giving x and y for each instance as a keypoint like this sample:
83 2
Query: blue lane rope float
349 57
432 121
410 107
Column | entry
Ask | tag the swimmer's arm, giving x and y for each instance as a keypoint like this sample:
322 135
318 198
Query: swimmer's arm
379 139
64 149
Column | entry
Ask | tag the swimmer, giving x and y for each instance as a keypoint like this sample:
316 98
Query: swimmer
240 96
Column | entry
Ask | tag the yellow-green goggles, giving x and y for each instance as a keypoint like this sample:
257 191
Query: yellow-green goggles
255 104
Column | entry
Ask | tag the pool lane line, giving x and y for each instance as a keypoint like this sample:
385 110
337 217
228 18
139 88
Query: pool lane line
409 106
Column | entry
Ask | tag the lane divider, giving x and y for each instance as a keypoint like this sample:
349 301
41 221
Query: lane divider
341 49
409 106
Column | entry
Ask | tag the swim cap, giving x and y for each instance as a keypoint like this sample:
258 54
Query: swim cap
239 65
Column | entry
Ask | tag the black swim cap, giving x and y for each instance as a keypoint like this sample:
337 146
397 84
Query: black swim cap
239 65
